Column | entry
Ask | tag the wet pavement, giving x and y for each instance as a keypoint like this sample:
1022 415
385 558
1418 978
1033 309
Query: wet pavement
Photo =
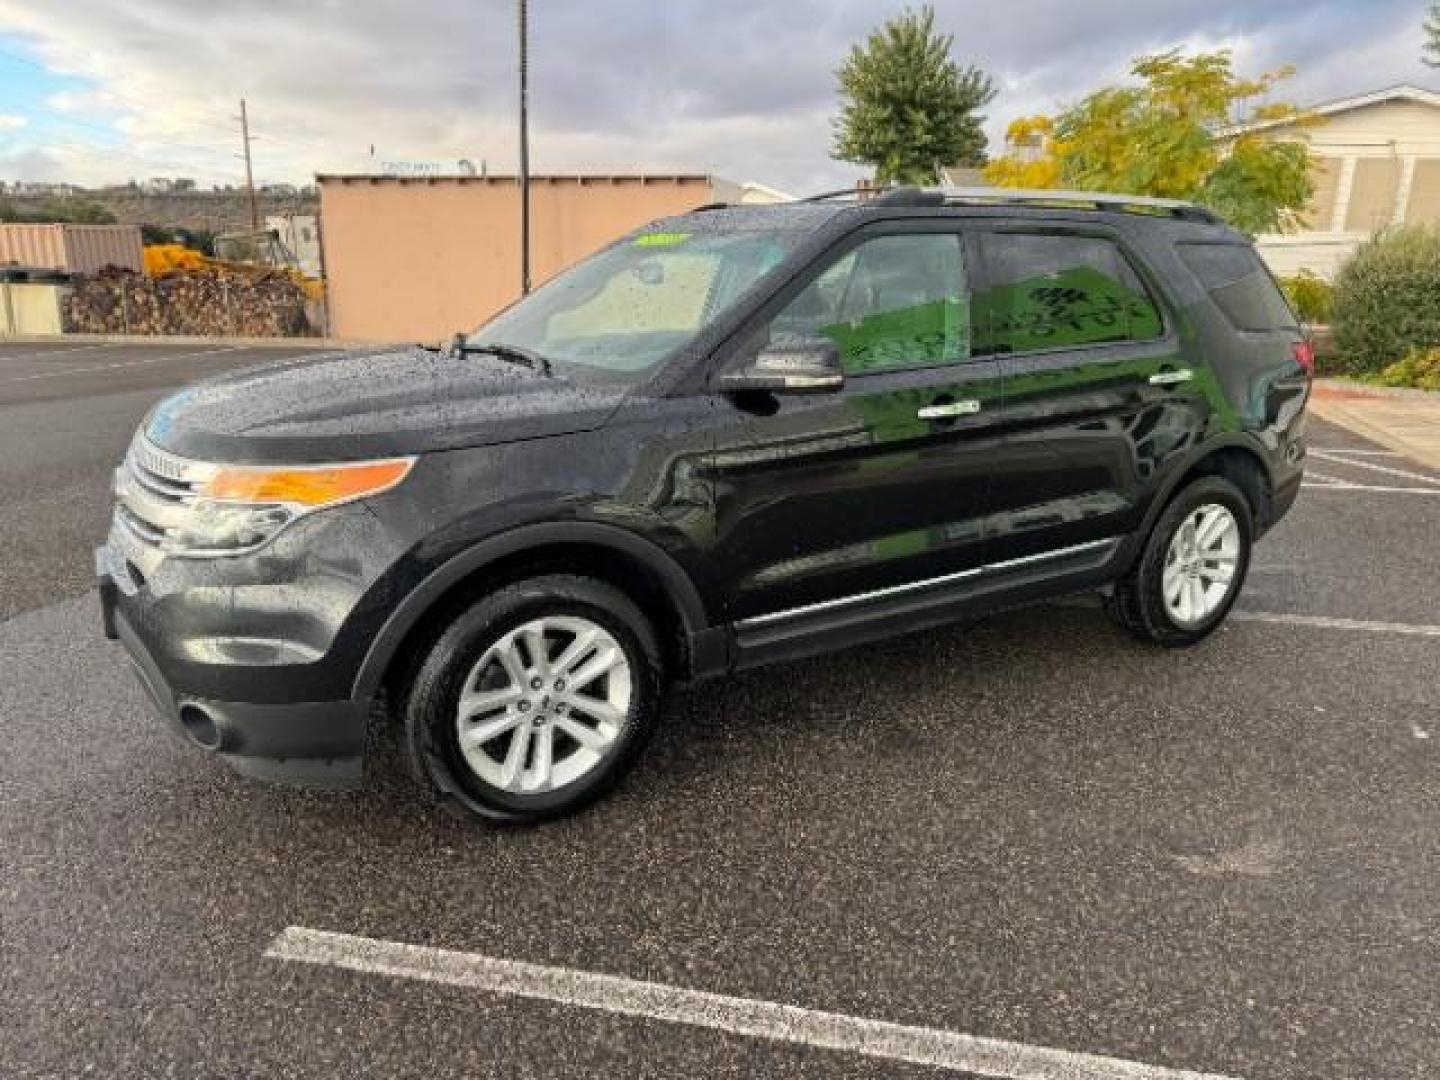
1029 829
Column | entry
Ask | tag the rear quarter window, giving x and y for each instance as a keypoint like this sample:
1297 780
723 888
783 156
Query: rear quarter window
1240 285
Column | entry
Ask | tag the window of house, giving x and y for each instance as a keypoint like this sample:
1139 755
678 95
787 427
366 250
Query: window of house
892 303
1055 292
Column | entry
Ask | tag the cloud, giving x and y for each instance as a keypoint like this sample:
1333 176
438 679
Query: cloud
11 122
744 89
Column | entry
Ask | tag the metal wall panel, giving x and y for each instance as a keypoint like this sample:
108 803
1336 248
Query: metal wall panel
79 249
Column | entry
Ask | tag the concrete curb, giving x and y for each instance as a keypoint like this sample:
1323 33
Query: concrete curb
181 339
1415 433
1353 388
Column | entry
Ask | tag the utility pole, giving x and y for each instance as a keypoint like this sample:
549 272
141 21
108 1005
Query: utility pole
524 146
249 172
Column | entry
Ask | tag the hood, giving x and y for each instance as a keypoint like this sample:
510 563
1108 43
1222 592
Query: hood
354 405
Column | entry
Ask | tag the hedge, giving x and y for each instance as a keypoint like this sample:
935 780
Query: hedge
1387 299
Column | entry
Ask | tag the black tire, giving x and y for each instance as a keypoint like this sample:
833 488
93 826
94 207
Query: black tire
436 757
1137 603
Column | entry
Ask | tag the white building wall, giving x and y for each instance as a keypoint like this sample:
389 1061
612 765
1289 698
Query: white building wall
1406 131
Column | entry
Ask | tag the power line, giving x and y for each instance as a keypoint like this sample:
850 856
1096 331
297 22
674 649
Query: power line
110 153
55 116
221 123
107 92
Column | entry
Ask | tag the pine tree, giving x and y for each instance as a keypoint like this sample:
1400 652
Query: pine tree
907 107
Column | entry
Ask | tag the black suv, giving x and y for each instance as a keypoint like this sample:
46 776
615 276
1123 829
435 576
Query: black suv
734 437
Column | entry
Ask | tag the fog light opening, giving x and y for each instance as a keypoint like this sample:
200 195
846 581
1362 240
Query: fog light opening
200 726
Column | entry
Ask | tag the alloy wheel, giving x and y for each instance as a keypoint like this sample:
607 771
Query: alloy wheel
544 705
1200 564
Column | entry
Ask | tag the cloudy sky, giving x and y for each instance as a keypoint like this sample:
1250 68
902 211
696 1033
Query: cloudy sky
101 90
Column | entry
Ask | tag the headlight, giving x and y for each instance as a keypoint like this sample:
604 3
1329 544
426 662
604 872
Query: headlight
198 510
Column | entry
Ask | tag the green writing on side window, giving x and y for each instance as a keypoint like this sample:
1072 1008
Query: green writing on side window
930 333
1078 307
661 239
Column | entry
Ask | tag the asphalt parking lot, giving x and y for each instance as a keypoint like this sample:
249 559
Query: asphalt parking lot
1027 847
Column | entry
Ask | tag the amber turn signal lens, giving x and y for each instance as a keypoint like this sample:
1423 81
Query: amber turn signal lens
310 487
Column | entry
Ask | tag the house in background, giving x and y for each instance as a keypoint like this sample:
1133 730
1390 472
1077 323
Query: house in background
754 193
1378 165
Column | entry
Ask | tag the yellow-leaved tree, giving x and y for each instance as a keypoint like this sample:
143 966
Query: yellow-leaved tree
1188 130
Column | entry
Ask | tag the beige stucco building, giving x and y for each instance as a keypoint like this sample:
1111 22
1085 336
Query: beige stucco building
1378 164
416 259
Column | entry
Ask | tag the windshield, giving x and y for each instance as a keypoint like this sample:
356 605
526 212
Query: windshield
621 312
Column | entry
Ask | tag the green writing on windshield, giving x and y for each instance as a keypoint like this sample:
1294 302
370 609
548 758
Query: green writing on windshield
661 239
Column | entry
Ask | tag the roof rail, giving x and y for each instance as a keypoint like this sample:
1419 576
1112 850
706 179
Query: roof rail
1043 197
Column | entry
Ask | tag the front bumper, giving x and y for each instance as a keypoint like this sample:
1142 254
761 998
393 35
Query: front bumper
305 743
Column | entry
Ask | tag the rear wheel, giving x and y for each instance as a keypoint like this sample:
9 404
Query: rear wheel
536 700
1192 569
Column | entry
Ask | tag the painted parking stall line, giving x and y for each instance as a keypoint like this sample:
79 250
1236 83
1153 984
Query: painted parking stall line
54 353
1325 622
1324 482
738 1016
149 360
1370 466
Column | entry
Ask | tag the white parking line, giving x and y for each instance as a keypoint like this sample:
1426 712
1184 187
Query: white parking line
1352 453
121 364
1319 482
1402 473
1283 618
1324 622
738 1016
46 354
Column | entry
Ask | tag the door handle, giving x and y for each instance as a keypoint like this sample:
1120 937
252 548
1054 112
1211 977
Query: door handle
949 411
1172 378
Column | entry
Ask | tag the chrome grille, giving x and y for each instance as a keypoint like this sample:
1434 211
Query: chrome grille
156 491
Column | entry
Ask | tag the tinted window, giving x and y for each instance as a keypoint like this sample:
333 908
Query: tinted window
894 302
1240 285
1055 292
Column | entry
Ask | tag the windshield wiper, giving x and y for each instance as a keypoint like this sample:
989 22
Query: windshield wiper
515 354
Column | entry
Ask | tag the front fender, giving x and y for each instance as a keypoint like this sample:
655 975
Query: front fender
421 599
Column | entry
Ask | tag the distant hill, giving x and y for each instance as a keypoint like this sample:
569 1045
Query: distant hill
191 211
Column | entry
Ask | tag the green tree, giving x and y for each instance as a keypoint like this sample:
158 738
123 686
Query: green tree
1432 35
57 211
907 107
1185 132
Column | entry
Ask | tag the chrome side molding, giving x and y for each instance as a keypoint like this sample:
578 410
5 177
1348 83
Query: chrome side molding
927 583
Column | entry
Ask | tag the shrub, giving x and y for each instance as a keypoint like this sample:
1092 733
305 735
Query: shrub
1387 299
1312 297
1420 369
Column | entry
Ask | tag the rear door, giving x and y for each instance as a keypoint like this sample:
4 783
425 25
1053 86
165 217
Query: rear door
1098 394
879 488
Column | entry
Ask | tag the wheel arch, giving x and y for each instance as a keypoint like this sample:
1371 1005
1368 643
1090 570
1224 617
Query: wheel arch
1236 458
638 567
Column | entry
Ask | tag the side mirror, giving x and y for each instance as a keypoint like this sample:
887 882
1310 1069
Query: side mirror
808 367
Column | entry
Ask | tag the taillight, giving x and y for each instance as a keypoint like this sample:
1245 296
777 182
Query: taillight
1305 356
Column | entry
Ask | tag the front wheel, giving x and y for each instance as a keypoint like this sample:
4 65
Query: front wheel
1192 569
536 700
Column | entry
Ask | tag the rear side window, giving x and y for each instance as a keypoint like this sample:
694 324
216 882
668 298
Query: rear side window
1050 291
1240 285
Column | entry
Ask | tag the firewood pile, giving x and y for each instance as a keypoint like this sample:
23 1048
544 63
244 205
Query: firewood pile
212 302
